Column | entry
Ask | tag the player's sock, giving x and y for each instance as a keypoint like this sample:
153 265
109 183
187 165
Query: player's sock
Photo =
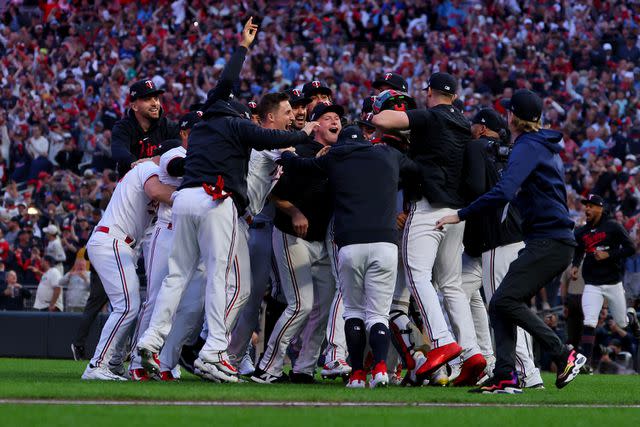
379 341
588 339
356 337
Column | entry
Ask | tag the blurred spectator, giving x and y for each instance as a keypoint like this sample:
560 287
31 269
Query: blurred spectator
54 248
12 294
49 294
77 283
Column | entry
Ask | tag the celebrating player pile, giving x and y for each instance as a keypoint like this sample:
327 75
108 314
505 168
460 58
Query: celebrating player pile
360 231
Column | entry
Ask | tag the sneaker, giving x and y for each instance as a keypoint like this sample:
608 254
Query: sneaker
499 386
77 351
100 373
379 376
634 324
439 378
436 358
149 361
246 365
139 375
166 376
334 369
472 370
262 377
219 372
301 378
357 379
569 366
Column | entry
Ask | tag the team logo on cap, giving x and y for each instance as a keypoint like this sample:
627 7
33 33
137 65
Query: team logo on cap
296 92
447 87
252 104
315 84
199 113
149 84
183 124
388 76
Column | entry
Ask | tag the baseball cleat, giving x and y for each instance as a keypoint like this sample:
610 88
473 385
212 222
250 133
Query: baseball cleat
439 378
149 361
334 369
410 379
139 375
262 377
301 378
167 376
569 367
379 376
77 351
499 386
472 370
436 358
357 379
219 372
246 365
101 374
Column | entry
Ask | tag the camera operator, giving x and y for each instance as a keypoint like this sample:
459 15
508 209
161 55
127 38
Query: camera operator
492 240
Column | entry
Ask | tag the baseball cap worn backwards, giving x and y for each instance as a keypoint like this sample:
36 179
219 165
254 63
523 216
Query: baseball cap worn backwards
524 104
350 134
143 89
189 120
443 82
323 108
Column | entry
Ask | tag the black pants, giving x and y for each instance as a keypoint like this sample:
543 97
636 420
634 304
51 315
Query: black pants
537 264
575 320
97 299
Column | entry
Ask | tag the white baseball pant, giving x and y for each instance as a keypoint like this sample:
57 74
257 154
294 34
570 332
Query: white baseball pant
239 282
495 265
367 279
593 298
115 262
307 283
471 284
208 230
434 256
336 340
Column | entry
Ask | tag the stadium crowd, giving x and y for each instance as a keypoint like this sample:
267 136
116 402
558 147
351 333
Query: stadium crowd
66 67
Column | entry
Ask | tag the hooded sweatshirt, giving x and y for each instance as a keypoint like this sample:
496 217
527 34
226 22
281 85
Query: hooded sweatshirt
533 181
364 179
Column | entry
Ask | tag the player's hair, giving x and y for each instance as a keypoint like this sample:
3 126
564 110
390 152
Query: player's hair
270 103
523 126
441 94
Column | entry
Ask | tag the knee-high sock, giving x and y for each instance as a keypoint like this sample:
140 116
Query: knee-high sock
379 341
588 339
356 337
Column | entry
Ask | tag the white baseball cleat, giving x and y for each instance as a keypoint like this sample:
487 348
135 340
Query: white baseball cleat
439 377
220 371
358 379
100 373
246 365
335 368
379 376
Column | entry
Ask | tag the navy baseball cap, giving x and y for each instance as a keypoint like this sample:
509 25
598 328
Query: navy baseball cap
166 145
593 199
143 89
443 82
490 118
367 112
393 80
189 120
350 134
323 108
315 87
297 97
253 106
524 104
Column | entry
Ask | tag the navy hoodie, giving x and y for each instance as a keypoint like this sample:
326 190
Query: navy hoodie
364 178
535 169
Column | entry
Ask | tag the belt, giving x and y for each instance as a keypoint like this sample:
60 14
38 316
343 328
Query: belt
127 239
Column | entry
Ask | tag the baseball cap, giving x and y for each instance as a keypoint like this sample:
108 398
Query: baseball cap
593 199
525 104
631 157
393 80
166 145
316 87
490 118
350 134
253 106
443 82
367 112
143 89
296 97
323 108
189 120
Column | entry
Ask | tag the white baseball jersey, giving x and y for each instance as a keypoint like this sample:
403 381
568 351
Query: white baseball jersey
130 210
262 177
164 210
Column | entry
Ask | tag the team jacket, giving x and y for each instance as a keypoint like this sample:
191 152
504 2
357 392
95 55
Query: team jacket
534 182
364 181
438 138
608 236
491 229
130 143
309 193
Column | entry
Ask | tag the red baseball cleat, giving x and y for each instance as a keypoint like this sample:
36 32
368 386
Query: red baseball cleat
472 369
436 358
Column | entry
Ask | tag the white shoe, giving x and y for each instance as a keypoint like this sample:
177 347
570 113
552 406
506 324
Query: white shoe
218 372
335 368
533 380
176 372
246 365
101 374
455 371
440 377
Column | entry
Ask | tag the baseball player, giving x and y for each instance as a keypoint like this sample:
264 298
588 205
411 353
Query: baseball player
110 249
316 92
390 81
548 236
366 114
299 105
205 213
603 244
304 209
438 137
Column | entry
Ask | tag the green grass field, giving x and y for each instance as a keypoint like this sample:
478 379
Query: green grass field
594 400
